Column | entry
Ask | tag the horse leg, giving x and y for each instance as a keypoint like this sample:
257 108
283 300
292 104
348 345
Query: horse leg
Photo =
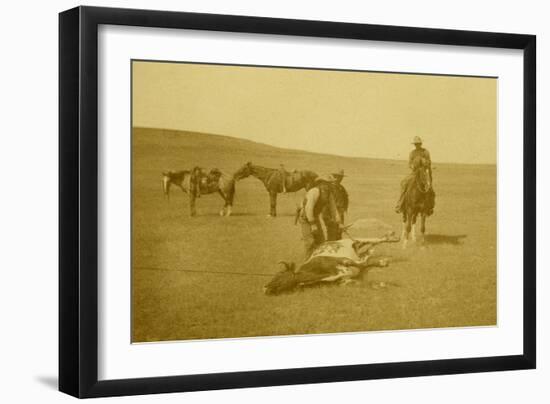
413 228
272 204
192 210
166 187
223 210
423 227
229 199
227 207
406 227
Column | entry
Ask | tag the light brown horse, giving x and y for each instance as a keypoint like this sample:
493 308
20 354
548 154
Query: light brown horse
272 180
419 200
214 181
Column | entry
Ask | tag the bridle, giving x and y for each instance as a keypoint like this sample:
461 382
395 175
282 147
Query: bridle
244 172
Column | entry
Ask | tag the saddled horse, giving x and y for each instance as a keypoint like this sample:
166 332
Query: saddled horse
214 181
419 200
272 180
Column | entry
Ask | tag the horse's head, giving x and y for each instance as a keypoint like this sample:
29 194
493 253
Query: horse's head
243 172
421 167
284 281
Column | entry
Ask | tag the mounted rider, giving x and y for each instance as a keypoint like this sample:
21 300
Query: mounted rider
319 206
417 152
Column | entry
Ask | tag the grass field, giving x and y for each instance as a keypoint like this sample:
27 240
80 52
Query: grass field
449 283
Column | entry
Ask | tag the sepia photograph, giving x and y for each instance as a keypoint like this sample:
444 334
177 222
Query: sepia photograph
275 201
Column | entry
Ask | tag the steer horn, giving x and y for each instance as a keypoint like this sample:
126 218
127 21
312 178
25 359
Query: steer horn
391 237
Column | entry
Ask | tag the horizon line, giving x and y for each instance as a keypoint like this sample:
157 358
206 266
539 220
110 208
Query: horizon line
305 151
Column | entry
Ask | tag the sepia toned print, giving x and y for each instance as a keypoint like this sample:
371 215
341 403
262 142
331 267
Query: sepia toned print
280 201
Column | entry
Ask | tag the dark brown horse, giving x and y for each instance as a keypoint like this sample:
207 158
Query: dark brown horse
272 179
419 200
214 181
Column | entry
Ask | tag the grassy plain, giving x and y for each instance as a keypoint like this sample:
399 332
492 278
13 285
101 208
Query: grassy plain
449 283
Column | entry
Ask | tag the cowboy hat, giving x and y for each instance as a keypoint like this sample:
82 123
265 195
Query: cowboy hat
339 173
326 178
417 140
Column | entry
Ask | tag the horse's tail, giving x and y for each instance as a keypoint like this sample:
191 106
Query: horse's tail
227 185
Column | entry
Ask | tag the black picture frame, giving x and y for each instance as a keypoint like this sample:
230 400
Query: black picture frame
78 201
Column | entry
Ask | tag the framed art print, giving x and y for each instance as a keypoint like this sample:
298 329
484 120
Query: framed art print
250 201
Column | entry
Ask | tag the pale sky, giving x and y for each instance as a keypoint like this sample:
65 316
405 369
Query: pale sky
357 114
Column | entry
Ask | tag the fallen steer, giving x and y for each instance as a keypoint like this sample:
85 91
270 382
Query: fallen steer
333 261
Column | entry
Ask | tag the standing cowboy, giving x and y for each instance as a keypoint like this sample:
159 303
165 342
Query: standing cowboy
338 176
334 229
418 151
318 205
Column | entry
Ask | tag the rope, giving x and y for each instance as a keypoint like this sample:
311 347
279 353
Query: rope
201 272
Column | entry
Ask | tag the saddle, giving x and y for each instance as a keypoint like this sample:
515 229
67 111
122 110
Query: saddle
292 178
209 182
214 175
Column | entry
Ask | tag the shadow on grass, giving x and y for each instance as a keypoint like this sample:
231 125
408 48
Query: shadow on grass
360 281
444 239
383 285
217 214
